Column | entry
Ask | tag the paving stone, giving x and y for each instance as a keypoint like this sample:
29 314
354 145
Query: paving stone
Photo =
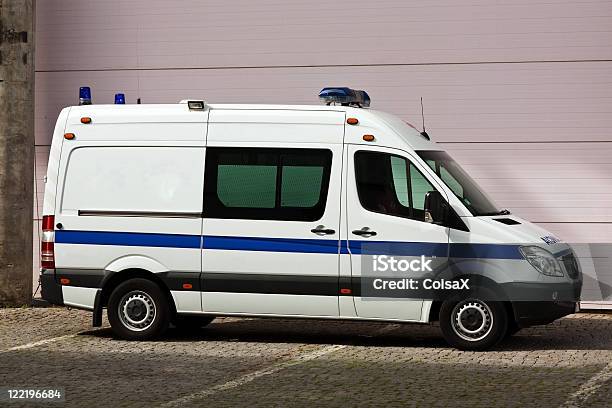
374 364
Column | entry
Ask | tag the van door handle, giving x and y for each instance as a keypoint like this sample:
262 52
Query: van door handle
364 232
321 230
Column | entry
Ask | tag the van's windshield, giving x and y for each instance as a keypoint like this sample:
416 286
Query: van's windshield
460 183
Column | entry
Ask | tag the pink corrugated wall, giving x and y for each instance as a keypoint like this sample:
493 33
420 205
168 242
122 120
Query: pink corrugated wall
520 92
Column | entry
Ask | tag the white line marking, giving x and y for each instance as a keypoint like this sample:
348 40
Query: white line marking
47 341
588 388
40 343
69 336
247 378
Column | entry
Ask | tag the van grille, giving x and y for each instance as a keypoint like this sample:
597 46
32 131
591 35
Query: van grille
571 265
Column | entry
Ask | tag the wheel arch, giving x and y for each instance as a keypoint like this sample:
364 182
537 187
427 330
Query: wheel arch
481 281
114 279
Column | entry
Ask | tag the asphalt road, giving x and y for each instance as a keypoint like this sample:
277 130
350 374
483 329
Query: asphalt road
274 362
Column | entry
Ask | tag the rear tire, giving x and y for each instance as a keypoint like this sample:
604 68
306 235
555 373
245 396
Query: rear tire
138 309
513 328
187 323
470 323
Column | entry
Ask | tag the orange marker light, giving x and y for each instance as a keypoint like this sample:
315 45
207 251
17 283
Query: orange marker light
368 138
65 281
85 120
187 286
352 121
68 136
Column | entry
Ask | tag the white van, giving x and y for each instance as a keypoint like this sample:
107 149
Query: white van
175 214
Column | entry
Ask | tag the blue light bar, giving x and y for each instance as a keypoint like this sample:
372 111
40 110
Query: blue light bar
119 99
85 95
345 96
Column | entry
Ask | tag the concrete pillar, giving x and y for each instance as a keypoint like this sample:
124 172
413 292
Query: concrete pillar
16 150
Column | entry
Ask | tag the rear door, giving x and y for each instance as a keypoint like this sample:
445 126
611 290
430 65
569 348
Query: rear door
272 213
129 197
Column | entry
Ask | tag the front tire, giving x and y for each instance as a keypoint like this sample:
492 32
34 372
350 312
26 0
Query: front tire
470 323
138 310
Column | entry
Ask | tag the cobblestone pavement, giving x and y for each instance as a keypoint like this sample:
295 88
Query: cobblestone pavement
274 362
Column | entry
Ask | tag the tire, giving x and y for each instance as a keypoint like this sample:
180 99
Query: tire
472 324
512 329
191 322
138 309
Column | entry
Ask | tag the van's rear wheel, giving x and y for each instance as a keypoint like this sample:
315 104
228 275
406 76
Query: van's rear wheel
183 322
513 328
471 323
138 310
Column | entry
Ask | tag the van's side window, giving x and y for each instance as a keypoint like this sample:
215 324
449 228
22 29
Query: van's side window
390 184
266 183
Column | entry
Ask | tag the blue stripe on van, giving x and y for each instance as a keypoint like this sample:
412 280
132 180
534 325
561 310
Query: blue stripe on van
398 248
320 246
495 251
127 239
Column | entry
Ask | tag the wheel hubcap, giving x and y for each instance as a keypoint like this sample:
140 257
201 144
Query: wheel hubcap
472 320
137 310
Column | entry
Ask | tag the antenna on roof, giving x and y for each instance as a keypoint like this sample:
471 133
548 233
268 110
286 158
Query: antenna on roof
423 133
138 101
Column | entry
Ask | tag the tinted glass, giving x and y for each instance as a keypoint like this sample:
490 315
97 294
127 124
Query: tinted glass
246 185
461 184
400 180
390 184
301 185
420 187
270 184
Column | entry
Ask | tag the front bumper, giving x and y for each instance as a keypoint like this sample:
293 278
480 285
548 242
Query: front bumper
543 291
51 290
542 303
533 313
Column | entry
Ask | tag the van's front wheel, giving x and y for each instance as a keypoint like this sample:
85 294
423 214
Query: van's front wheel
473 324
138 310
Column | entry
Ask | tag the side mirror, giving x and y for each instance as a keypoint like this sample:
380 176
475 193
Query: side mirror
436 208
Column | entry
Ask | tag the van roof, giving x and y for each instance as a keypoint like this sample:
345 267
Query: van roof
406 133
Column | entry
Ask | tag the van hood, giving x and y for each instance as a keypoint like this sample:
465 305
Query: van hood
510 229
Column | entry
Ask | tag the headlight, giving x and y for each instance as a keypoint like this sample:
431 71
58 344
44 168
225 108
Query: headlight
542 260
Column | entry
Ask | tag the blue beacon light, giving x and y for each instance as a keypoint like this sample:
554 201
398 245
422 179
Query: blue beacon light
119 99
345 96
85 95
